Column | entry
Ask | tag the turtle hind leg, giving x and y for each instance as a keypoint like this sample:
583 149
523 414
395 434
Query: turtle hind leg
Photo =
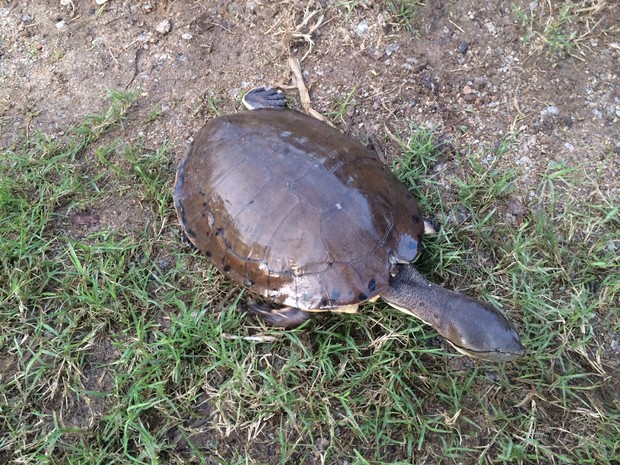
261 97
285 317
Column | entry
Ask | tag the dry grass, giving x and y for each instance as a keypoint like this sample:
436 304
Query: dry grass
565 28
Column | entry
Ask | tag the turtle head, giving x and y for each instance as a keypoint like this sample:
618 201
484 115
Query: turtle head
472 327
479 330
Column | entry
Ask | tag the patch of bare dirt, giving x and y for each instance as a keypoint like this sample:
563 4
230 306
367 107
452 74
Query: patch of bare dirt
468 74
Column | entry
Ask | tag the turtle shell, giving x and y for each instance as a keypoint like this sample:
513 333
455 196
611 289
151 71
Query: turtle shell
294 210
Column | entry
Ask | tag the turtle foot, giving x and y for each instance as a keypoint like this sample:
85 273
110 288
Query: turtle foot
285 317
262 97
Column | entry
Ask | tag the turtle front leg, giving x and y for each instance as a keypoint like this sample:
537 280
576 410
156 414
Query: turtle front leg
262 97
285 317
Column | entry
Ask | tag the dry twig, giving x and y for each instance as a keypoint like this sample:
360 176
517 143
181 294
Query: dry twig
304 96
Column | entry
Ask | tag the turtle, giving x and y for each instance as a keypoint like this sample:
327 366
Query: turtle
312 220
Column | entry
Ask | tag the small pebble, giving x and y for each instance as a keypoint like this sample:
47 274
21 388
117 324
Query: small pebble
461 363
440 167
550 110
468 90
614 345
85 218
164 26
100 2
457 216
164 264
516 208
186 36
463 47
61 25
361 28
427 82
373 53
376 104
322 444
480 82
391 48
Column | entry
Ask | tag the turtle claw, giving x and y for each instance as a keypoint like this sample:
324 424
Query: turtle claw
430 227
262 97
285 317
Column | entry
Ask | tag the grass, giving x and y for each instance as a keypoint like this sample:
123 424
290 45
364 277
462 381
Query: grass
121 345
400 14
561 28
343 106
403 14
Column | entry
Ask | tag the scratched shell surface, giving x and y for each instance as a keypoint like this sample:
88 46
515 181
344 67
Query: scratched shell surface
294 210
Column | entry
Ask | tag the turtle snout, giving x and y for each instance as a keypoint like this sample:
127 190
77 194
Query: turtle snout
486 334
506 348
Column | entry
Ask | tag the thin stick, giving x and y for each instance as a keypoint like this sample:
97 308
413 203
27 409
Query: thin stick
304 96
